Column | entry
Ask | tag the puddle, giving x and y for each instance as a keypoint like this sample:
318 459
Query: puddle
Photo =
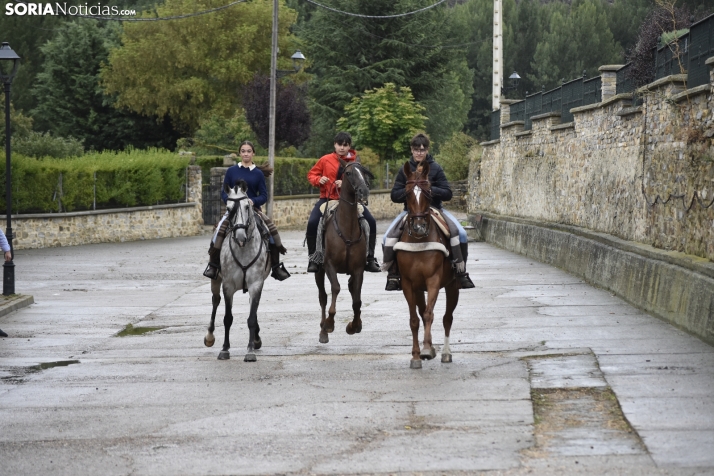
18 374
130 330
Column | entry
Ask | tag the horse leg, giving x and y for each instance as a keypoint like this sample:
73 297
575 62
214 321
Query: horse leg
355 287
428 352
227 322
452 299
320 281
335 289
209 340
410 295
255 292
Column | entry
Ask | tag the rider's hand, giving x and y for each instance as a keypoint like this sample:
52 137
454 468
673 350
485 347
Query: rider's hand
324 180
338 183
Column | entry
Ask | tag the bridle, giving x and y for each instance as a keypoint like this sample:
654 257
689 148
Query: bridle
424 187
361 170
238 226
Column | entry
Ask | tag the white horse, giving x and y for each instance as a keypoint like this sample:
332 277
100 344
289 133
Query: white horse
245 264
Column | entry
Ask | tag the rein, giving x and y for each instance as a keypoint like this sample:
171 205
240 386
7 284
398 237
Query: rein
424 185
348 243
249 236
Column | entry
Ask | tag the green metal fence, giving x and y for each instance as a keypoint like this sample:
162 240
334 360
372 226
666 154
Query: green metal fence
496 124
701 47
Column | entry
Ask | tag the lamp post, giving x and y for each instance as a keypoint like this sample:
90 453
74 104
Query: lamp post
12 60
513 80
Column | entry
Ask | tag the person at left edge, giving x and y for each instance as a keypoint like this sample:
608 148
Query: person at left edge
254 177
8 257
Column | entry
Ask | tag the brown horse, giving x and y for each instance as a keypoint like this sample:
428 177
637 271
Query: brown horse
345 248
424 266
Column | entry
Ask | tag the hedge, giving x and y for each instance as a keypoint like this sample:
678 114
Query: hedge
122 179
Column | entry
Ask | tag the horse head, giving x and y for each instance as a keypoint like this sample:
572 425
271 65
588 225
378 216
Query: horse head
240 210
418 193
355 179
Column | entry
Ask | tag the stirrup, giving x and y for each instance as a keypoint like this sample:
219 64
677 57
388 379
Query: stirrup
279 272
212 270
313 267
393 284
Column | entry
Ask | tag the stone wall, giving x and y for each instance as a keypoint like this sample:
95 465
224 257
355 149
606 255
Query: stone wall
643 174
293 212
101 226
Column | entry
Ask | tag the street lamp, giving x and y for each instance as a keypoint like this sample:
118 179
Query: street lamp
9 62
513 80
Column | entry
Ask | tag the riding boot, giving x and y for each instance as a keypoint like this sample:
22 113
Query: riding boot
372 264
464 279
393 279
214 262
312 267
2 334
279 271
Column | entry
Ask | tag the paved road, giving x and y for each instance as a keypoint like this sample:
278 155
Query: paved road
542 365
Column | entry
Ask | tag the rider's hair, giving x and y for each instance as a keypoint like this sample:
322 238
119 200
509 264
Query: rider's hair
418 141
343 138
247 142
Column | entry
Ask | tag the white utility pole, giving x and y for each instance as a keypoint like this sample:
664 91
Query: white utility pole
497 53
271 117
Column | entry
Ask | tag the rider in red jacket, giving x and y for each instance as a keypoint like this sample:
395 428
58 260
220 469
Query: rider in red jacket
324 175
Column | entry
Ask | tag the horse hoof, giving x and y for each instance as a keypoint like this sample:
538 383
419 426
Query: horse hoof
257 344
323 338
354 329
446 358
428 355
224 355
415 364
249 357
209 340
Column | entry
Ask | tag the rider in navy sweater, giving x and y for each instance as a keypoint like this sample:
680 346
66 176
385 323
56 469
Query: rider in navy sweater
254 177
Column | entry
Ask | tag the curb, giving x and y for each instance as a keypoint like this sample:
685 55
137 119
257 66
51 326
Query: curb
17 301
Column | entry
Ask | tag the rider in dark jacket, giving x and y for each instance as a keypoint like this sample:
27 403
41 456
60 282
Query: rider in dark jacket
440 191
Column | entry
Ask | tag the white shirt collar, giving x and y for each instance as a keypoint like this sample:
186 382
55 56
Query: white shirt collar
250 167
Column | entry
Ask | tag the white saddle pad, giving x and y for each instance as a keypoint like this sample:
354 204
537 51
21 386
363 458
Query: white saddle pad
416 247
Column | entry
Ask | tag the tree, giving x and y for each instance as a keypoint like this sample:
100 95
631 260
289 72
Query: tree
20 124
384 119
186 68
70 101
350 55
292 118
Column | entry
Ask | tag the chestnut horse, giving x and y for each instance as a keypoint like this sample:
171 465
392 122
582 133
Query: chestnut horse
422 256
345 248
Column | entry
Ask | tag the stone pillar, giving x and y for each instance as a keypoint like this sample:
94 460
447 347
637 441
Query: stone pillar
506 109
195 190
609 80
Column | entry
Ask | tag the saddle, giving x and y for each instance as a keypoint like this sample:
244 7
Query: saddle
438 218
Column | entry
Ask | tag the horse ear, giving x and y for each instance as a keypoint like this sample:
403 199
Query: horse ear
226 188
407 169
243 185
425 168
357 159
342 161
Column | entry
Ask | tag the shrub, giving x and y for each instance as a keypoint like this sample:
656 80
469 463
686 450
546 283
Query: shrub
454 156
123 179
38 145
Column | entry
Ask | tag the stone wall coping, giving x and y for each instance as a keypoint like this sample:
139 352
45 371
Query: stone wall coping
490 142
671 79
687 93
627 111
586 108
509 101
523 133
611 67
545 116
560 127
99 212
616 98
710 62
690 262
512 123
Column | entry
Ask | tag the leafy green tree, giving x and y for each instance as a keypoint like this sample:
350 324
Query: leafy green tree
71 102
454 156
384 119
184 69
20 124
350 55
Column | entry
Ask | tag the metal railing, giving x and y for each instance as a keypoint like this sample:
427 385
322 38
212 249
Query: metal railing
496 124
701 47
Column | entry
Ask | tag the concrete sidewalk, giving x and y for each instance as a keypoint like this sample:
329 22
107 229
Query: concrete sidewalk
550 375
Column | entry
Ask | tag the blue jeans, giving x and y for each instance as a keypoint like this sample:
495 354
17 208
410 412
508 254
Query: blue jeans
463 238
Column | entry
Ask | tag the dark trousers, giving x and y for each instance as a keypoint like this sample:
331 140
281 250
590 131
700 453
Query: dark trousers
315 216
